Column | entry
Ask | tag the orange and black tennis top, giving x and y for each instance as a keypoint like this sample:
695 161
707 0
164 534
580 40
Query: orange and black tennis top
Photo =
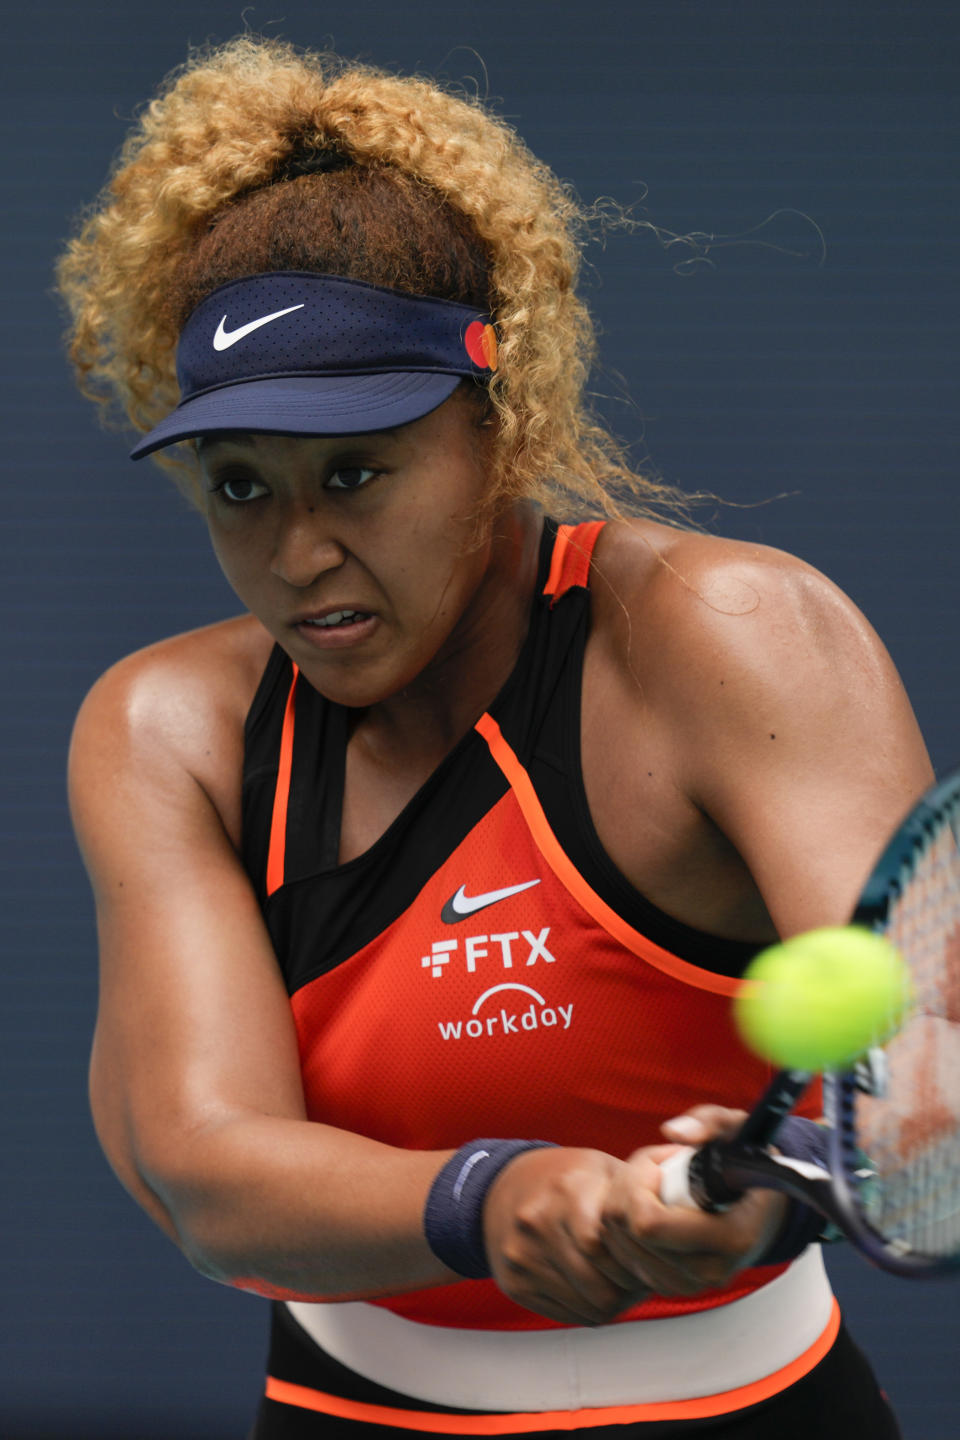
484 969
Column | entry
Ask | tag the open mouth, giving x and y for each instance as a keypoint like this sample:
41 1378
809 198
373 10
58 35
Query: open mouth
338 629
337 618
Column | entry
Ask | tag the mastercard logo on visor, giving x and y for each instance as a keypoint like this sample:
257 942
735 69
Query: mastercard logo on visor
480 342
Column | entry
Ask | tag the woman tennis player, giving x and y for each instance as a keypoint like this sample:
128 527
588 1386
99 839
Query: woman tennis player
424 886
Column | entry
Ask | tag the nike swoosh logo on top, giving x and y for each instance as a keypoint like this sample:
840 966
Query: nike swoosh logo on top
225 338
459 906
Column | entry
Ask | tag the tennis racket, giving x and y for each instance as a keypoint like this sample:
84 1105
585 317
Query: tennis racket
900 1106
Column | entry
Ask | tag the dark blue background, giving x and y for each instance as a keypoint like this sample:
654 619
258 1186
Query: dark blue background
756 370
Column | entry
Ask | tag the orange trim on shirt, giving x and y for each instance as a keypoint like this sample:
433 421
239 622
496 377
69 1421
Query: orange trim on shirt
276 854
572 553
434 1422
570 877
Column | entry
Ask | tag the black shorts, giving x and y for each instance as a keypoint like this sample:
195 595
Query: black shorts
837 1400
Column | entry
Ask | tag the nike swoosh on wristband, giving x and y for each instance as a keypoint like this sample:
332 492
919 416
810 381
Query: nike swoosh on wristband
225 338
459 906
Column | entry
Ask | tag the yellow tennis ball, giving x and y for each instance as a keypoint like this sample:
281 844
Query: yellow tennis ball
818 1001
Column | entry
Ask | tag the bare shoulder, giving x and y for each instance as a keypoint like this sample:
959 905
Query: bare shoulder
691 613
766 710
214 667
761 698
174 709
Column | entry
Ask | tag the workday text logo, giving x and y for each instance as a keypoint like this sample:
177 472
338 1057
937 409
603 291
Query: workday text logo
509 1007
510 1015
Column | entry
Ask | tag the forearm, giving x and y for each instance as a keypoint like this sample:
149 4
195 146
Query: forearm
302 1208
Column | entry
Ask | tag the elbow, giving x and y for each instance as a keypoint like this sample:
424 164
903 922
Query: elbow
180 1191
197 1219
217 1226
224 1213
185 1178
273 1277
213 1261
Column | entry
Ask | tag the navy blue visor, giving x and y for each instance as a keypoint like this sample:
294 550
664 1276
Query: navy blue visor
297 353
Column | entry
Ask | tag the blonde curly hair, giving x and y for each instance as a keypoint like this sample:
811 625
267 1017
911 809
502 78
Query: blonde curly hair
224 141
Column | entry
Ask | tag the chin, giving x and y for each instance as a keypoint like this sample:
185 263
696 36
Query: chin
357 691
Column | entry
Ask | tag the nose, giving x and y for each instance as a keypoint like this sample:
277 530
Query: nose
304 549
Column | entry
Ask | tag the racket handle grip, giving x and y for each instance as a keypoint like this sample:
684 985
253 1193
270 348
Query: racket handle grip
698 1180
675 1181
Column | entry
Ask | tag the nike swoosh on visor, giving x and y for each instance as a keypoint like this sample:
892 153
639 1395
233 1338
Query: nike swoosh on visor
225 338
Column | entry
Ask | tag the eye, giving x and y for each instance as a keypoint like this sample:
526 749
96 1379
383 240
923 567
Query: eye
239 489
349 477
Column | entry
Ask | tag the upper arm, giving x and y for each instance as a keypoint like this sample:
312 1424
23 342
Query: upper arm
193 1022
806 752
789 726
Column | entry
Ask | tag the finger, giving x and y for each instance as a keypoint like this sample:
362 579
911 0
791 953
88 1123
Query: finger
672 1275
570 1289
631 1226
702 1123
626 1281
565 1265
683 1232
669 1271
601 1291
656 1153
590 1258
588 1266
635 1217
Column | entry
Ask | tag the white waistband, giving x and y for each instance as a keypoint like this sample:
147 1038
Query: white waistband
647 1361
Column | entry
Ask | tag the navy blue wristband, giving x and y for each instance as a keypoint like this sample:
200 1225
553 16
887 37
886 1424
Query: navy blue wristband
801 1140
453 1216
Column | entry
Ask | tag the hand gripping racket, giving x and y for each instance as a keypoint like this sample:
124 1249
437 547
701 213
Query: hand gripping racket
900 1106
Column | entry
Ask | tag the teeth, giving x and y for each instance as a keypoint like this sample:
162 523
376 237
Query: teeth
339 617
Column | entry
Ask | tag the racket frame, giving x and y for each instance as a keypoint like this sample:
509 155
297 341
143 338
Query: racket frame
719 1172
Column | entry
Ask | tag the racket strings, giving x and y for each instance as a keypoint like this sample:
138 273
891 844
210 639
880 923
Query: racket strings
912 1132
